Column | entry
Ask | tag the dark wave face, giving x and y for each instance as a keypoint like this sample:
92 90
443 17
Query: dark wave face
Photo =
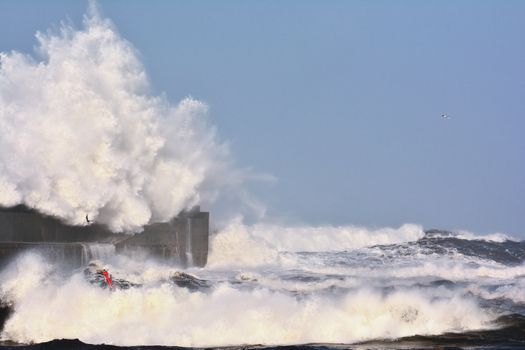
441 289
443 242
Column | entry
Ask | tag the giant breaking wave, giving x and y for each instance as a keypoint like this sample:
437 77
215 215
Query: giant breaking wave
81 134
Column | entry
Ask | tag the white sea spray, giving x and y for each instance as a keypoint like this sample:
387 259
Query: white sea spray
81 134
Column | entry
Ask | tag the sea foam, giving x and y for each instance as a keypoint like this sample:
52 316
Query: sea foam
51 307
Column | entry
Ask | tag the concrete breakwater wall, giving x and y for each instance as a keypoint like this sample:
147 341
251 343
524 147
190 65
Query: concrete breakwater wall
183 240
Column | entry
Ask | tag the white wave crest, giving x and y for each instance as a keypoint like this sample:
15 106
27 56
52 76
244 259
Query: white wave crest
251 245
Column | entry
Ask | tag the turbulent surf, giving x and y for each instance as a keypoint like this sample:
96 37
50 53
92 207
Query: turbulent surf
402 287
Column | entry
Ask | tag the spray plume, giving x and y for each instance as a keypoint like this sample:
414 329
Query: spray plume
80 134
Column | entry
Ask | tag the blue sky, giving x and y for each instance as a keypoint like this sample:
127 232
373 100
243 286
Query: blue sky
341 100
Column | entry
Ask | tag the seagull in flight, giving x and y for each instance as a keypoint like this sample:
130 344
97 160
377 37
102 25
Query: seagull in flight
446 116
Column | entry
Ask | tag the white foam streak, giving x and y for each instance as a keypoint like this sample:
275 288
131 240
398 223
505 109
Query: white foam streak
459 271
491 237
512 291
443 267
497 237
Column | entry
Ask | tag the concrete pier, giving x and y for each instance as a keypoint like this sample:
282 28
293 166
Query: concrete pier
183 240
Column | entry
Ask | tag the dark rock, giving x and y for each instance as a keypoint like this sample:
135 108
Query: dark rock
185 280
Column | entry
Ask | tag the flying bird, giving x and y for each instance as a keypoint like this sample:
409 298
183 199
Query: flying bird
445 116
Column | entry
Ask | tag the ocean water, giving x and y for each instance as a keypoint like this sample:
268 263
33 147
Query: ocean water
269 286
